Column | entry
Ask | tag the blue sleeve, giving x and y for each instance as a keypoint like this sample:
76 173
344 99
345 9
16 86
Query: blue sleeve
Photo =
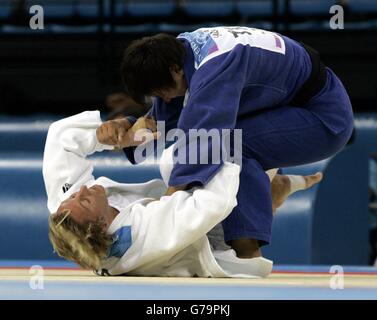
160 111
215 92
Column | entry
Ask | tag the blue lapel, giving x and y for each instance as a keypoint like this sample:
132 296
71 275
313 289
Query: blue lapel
122 241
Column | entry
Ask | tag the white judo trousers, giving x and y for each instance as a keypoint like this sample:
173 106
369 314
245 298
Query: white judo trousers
168 232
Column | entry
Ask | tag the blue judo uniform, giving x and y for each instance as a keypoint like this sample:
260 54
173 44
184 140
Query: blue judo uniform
245 78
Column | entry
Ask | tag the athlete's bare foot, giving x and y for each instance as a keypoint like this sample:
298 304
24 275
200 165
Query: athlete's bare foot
282 188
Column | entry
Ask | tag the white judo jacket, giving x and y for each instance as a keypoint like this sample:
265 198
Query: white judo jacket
167 233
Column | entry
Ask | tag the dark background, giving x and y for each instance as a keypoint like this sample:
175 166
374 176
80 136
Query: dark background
74 68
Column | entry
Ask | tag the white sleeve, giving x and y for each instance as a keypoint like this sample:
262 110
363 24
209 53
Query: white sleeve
167 226
65 166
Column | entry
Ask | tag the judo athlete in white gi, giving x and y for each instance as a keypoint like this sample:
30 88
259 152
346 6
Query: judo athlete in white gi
133 229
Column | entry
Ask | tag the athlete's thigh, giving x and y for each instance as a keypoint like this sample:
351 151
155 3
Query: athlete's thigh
286 136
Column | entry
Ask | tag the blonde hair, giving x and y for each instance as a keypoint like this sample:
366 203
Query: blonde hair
85 244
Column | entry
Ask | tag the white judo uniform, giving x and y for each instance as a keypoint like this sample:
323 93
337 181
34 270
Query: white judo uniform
168 233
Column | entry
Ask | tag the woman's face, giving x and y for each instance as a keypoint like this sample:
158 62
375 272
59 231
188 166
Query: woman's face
178 90
86 205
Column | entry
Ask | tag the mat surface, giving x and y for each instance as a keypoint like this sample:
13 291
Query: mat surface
64 281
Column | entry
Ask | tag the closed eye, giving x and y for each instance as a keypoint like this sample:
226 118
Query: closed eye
86 200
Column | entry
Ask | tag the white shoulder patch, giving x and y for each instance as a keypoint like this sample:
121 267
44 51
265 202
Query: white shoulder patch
208 43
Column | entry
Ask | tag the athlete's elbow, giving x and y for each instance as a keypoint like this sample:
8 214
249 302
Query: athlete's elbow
221 206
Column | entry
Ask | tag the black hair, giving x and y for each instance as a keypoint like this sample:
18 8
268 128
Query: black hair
147 63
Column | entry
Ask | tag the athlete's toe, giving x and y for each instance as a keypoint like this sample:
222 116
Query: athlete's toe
313 179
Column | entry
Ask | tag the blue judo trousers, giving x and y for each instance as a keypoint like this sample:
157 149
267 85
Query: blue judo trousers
245 78
284 137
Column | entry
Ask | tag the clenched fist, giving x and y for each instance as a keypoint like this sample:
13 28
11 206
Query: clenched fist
121 134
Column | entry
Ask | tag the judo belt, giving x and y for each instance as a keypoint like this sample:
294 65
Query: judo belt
315 82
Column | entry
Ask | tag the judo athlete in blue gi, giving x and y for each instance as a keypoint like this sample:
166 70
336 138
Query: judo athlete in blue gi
291 108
